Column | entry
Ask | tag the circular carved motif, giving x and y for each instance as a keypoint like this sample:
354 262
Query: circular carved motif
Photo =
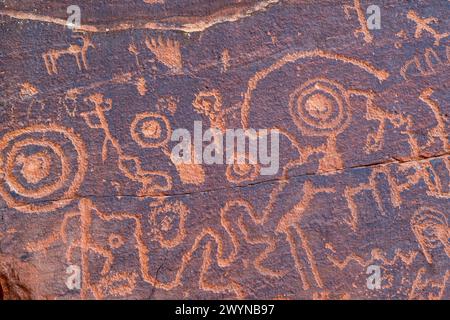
320 107
150 130
37 162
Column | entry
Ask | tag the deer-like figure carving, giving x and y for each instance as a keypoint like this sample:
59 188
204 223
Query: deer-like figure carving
79 52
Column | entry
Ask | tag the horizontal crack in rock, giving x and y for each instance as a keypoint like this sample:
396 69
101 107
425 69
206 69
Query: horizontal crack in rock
182 194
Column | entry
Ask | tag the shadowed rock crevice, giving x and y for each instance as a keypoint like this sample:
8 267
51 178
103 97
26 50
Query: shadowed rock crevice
391 161
11 288
1 290
18 280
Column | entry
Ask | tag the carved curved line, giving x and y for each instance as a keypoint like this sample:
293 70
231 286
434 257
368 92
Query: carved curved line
292 57
45 190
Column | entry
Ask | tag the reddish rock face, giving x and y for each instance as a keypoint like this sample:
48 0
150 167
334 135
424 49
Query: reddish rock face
93 206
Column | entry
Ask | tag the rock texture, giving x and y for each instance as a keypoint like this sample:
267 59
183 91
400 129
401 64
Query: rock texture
87 186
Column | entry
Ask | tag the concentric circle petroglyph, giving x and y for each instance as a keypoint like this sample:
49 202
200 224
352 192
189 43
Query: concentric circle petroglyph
35 168
320 107
150 130
296 57
36 164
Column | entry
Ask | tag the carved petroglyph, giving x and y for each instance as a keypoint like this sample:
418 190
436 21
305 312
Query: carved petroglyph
132 48
427 64
363 29
167 104
423 25
70 102
39 151
167 51
28 90
414 172
34 167
247 238
375 140
290 225
115 284
150 130
79 52
439 132
151 134
425 171
167 220
429 289
209 103
190 173
376 255
421 171
320 107
240 172
141 86
405 122
294 57
431 230
402 36
71 96
225 60
162 218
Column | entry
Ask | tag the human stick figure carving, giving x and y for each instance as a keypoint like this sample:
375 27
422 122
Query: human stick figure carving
130 166
423 24
363 29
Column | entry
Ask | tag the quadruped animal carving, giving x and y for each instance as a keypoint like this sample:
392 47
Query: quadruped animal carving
78 52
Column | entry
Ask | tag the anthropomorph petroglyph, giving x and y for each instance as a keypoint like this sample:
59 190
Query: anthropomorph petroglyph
423 25
411 175
363 29
321 107
155 128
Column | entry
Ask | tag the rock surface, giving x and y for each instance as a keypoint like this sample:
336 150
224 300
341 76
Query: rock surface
88 190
